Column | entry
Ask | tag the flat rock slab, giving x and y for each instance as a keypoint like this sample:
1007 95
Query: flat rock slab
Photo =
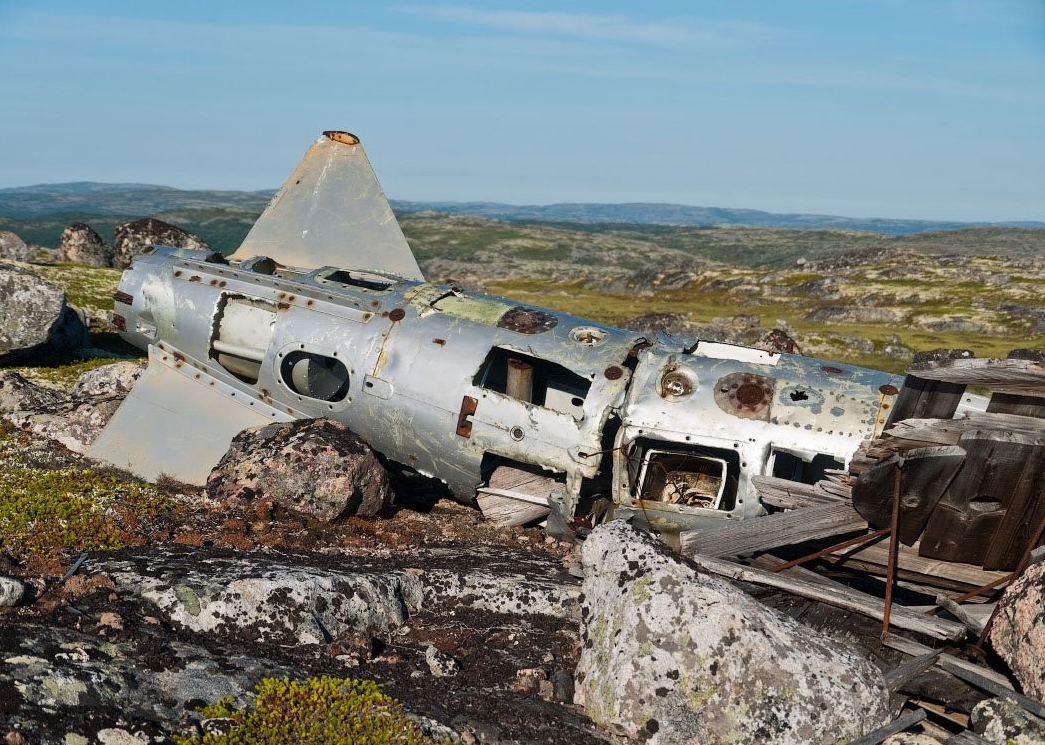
270 597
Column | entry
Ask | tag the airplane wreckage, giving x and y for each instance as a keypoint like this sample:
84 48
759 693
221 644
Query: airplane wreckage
324 312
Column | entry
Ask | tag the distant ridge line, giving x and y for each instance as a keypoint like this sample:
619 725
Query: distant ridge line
95 198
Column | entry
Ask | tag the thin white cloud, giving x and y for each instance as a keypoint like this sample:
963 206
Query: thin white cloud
667 32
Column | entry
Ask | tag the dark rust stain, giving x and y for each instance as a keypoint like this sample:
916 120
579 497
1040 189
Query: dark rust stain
831 369
282 306
310 303
119 322
527 320
281 295
375 303
213 283
178 356
396 314
148 250
177 273
367 316
194 278
440 342
265 392
888 390
613 373
123 297
197 376
222 283
292 298
750 394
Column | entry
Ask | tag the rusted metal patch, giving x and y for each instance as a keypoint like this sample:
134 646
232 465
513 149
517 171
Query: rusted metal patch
464 424
122 297
396 314
527 320
745 395
345 138
613 372
119 322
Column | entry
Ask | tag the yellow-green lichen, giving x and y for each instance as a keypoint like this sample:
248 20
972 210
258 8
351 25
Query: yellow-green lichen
317 711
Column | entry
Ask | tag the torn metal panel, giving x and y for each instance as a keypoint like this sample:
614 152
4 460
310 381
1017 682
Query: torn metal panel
178 421
332 212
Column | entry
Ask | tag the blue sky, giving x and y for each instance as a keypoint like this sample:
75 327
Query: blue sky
897 108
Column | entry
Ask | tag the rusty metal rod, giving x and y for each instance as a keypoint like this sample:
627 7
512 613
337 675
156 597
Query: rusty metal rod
891 568
859 540
973 593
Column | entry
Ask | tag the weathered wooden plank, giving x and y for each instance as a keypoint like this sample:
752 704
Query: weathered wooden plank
783 528
1008 403
967 737
789 495
964 524
916 649
947 574
972 623
924 398
909 719
909 670
925 475
978 679
1020 377
1024 510
837 595
949 431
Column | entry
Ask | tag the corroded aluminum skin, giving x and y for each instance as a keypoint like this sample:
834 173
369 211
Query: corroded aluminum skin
413 350
407 376
816 407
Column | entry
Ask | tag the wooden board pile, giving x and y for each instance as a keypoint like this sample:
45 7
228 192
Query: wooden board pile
938 503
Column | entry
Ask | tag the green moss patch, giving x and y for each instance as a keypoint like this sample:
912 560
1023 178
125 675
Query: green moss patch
48 513
327 711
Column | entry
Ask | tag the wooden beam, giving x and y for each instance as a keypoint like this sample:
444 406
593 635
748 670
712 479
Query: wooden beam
837 595
1019 377
762 533
909 719
916 649
909 670
976 678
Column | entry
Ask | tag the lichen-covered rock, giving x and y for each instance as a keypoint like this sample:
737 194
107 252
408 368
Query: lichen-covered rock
675 656
19 395
35 322
11 591
315 466
1002 721
854 314
80 244
263 599
46 670
778 340
1018 632
148 231
116 379
440 664
14 248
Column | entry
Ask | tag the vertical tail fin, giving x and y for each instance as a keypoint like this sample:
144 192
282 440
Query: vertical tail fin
332 212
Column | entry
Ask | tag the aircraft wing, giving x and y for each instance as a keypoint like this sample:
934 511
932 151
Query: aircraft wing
332 212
